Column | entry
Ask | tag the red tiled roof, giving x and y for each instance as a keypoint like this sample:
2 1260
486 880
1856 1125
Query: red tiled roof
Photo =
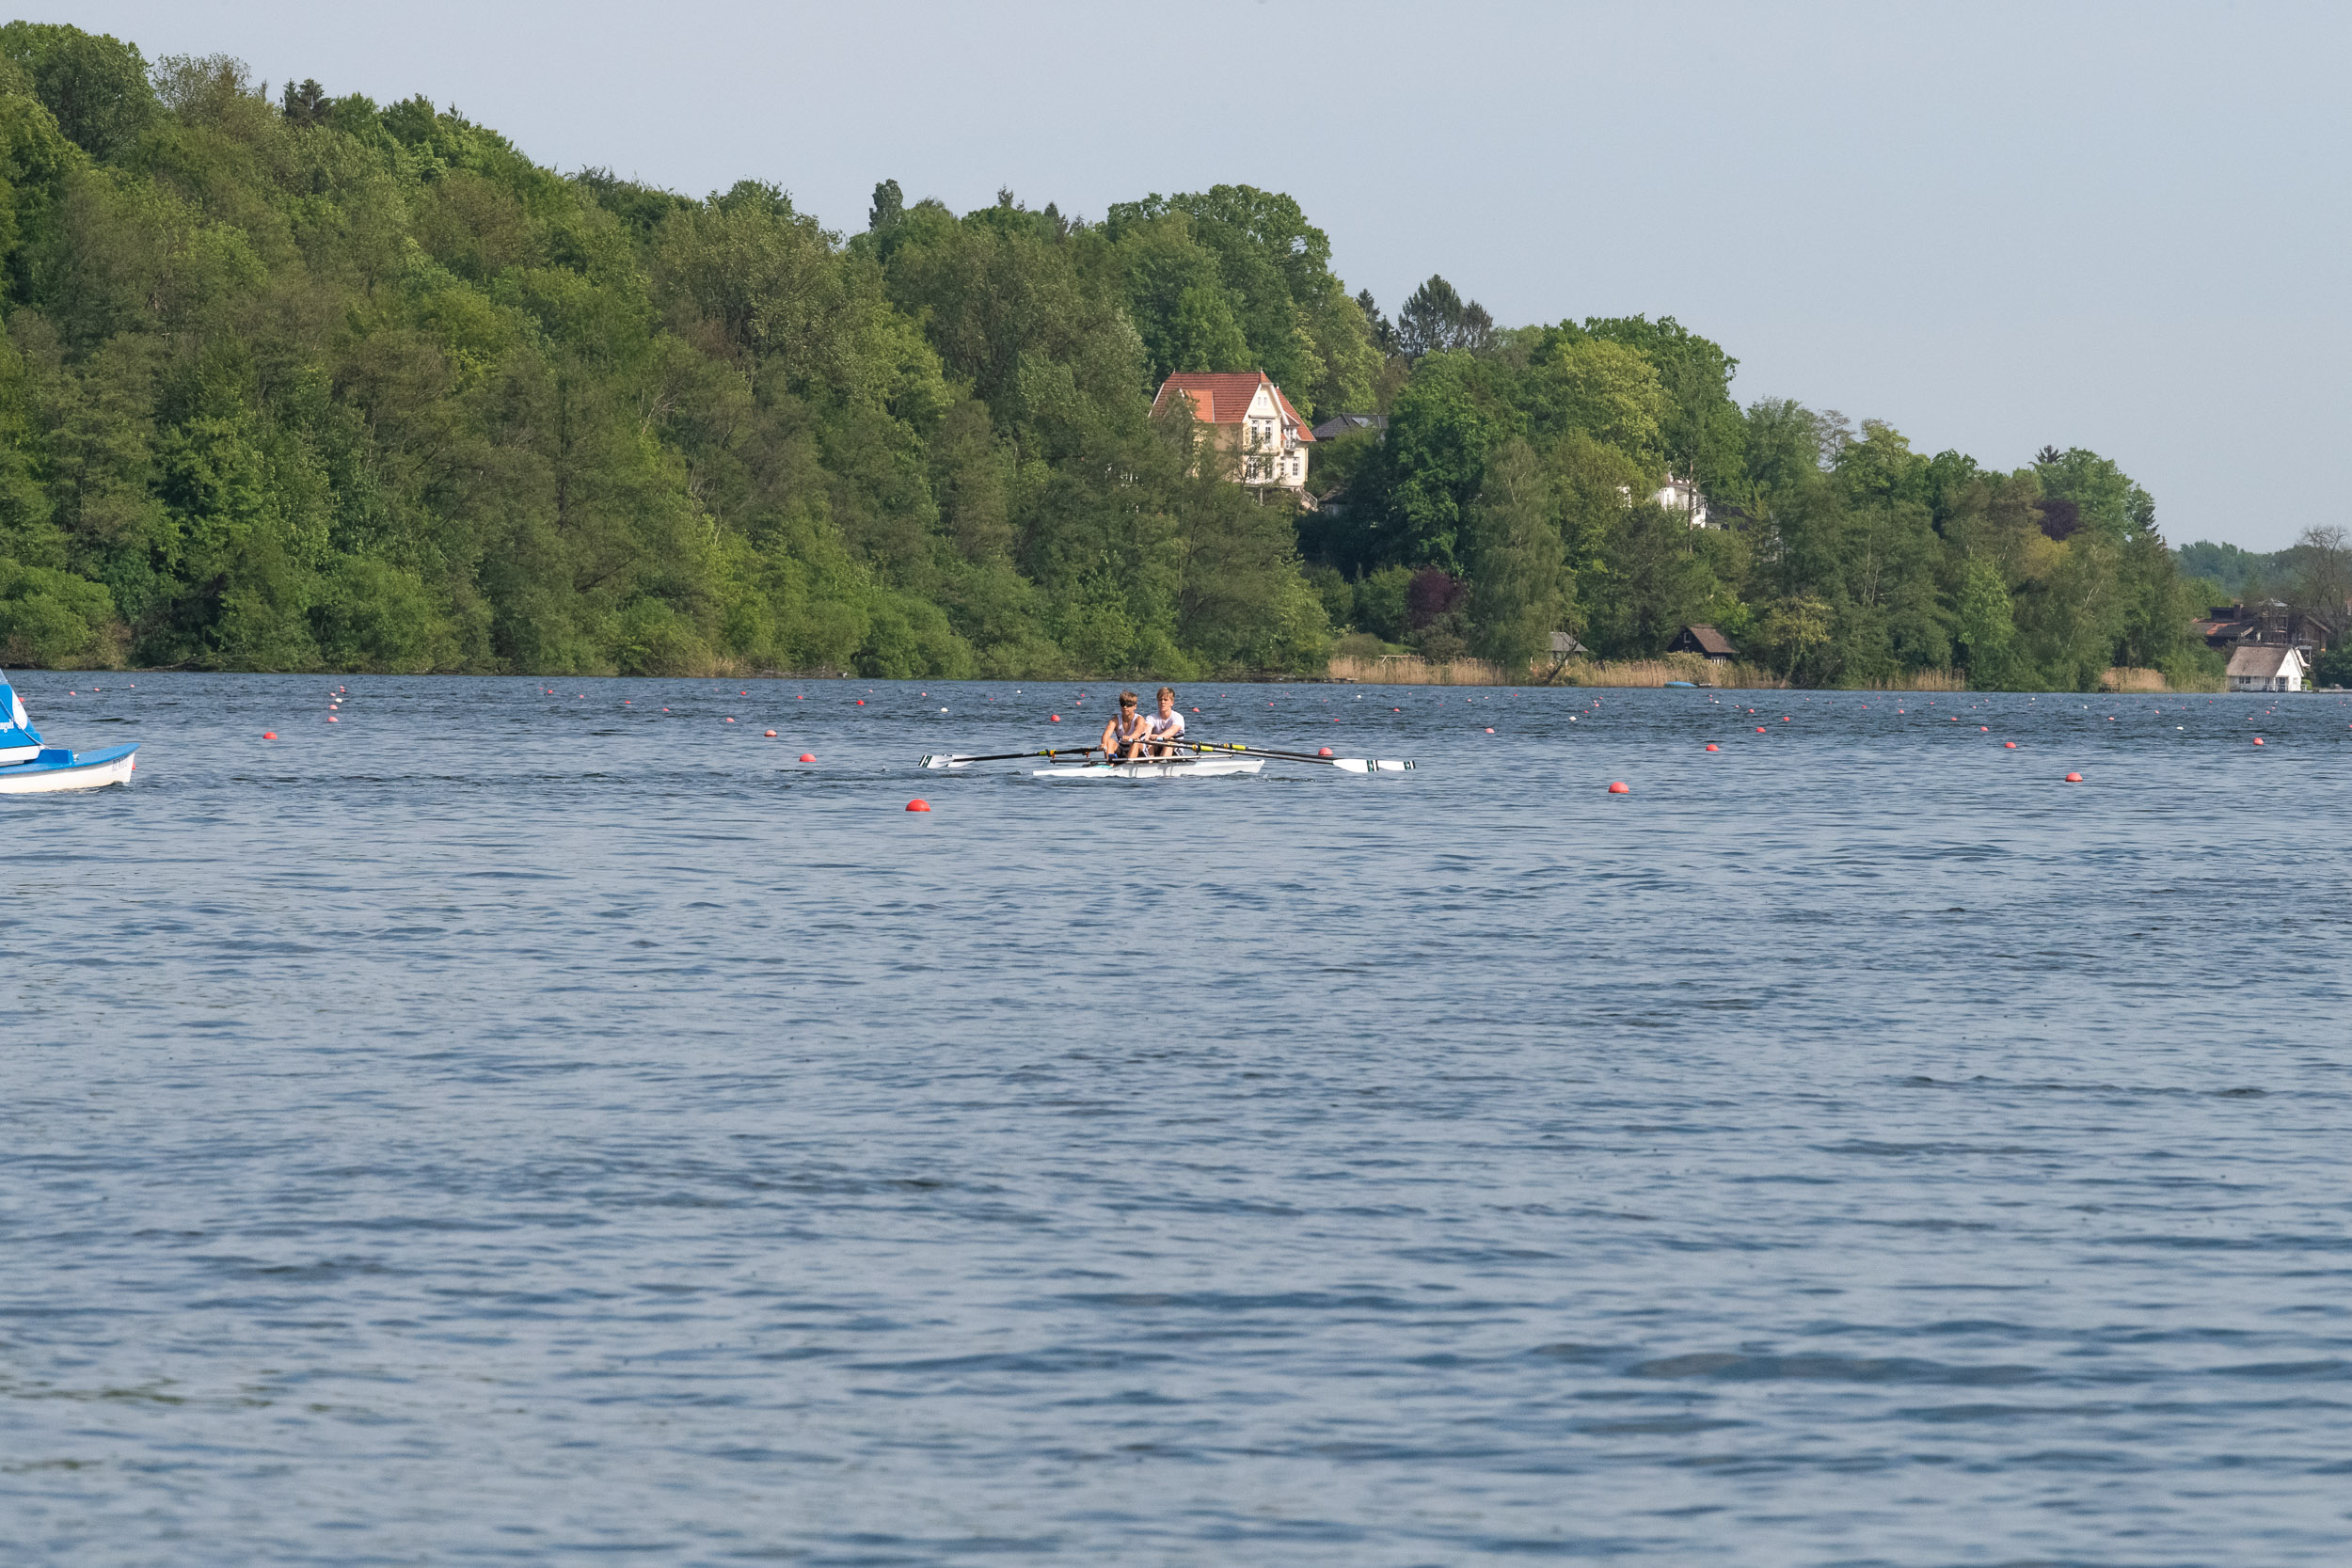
1223 396
1305 432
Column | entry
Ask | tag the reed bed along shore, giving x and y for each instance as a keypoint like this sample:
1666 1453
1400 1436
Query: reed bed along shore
1728 675
1924 680
1412 669
2125 678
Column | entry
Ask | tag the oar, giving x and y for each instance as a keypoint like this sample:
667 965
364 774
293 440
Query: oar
1349 764
1008 756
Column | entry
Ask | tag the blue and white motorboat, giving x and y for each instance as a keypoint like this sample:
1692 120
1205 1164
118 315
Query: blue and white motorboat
29 767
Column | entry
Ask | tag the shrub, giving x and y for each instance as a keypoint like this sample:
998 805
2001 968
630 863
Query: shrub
53 619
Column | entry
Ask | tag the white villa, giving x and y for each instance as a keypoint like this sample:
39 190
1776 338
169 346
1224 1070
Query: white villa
2256 666
1682 495
1675 495
1246 413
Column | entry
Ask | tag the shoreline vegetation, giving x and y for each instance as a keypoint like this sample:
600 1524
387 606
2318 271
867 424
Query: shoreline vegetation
293 380
1412 669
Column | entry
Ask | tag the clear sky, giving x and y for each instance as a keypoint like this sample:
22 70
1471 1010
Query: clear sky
2123 227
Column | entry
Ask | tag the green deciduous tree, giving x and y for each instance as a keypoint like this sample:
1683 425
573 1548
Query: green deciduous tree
1520 582
96 85
1985 625
1445 423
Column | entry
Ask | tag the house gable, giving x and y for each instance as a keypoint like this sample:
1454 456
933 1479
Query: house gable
2259 667
1245 412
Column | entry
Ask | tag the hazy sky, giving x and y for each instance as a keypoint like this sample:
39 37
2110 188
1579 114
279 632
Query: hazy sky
2123 227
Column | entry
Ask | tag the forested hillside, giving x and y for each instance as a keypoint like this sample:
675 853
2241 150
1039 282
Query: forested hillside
297 381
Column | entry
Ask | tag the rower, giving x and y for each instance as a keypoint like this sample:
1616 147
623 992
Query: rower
1165 725
1124 735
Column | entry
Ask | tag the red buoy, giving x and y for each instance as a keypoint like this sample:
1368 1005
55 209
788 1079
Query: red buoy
808 756
730 720
861 702
269 735
1759 729
771 735
332 720
2258 740
1324 753
1620 789
2073 778
2011 745
1490 728
1712 747
918 806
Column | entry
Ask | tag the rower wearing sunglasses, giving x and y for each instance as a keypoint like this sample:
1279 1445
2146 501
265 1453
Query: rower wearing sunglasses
1126 733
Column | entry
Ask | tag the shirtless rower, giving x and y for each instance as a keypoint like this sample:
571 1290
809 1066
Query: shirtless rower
1165 725
1126 733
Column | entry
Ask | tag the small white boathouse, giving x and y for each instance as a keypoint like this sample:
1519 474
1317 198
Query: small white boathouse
2266 667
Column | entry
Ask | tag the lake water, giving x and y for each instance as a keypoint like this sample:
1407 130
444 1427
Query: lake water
508 1126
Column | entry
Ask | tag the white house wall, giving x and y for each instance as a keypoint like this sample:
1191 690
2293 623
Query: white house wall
1262 435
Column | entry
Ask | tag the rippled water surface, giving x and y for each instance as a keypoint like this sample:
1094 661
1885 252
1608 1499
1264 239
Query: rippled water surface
509 1125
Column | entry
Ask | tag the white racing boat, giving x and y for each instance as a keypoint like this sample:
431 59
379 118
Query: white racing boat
1205 760
1170 767
29 767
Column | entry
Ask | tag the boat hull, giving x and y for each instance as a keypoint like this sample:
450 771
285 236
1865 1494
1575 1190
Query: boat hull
57 769
1174 768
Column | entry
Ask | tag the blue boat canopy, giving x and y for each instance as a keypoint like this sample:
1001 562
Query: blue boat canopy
18 740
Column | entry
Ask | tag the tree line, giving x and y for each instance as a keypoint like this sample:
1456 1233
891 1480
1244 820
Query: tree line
1518 489
301 381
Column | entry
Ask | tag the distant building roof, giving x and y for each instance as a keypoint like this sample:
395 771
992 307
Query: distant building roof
2253 662
1347 424
1705 639
1223 396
